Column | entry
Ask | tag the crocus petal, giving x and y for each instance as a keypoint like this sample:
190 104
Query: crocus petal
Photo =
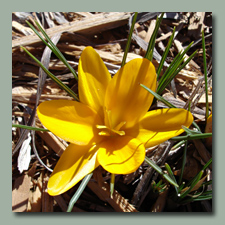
70 120
74 164
125 99
93 80
121 155
160 125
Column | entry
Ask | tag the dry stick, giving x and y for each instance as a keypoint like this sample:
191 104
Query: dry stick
194 92
201 92
96 23
144 185
117 201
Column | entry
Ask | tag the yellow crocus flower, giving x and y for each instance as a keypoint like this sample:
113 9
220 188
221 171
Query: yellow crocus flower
111 125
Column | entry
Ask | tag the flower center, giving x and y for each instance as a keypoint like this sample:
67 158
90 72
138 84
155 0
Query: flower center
108 129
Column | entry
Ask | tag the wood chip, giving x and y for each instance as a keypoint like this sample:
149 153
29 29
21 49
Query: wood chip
53 141
181 49
196 24
118 202
35 197
62 204
93 24
202 151
160 202
24 30
47 200
20 193
150 30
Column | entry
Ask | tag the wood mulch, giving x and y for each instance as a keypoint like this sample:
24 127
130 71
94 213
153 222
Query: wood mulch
107 33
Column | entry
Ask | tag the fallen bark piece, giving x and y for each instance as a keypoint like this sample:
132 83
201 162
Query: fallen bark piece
93 24
118 202
62 204
20 193
35 196
203 152
160 202
47 200
53 142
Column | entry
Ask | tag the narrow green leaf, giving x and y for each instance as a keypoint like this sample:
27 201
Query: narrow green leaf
159 170
158 97
183 163
53 77
158 184
173 69
165 53
192 137
205 74
180 143
29 127
129 40
112 184
204 196
189 131
79 192
170 172
53 47
180 188
151 44
195 177
198 177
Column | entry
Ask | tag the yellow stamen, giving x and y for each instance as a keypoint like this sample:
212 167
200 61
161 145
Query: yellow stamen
119 126
104 133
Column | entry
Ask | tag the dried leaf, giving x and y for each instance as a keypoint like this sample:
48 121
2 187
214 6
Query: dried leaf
24 157
196 187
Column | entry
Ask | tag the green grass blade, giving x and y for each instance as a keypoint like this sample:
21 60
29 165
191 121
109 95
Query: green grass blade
57 52
205 74
179 144
185 63
129 40
204 167
38 34
170 172
29 127
54 78
151 44
158 97
112 184
183 163
159 170
192 137
53 47
199 176
189 131
173 69
165 53
79 191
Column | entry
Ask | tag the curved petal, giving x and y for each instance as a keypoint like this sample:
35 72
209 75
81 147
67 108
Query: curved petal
74 164
125 99
93 80
160 125
121 155
70 120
